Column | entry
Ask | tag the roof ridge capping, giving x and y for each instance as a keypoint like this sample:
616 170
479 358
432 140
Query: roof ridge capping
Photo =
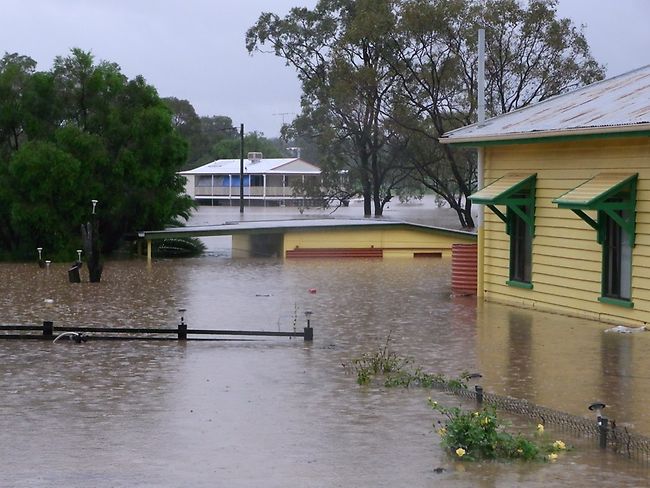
593 112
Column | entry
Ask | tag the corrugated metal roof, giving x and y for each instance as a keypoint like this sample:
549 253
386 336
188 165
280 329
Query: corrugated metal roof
499 188
593 190
271 165
619 104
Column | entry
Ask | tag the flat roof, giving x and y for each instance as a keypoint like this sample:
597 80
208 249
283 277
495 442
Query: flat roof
281 226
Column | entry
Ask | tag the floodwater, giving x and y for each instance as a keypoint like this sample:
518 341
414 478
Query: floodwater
281 412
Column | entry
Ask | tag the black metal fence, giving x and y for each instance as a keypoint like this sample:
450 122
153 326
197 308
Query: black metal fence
82 333
603 431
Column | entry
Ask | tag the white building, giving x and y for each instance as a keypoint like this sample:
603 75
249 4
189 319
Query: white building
266 181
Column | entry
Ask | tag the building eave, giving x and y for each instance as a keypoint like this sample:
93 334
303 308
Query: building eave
636 130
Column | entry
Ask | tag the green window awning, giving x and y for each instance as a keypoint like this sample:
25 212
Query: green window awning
516 191
611 193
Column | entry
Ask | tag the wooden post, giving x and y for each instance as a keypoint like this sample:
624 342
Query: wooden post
149 252
602 431
48 328
182 332
309 334
479 394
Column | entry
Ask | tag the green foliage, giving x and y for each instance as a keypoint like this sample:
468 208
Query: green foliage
382 80
178 247
83 131
396 370
481 435
230 148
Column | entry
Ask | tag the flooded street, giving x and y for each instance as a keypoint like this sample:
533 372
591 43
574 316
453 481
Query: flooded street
281 412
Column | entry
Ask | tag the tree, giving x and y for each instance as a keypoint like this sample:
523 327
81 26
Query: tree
188 124
15 73
531 56
230 147
338 50
83 131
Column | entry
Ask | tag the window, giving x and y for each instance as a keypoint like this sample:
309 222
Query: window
516 192
521 246
613 197
617 260
204 181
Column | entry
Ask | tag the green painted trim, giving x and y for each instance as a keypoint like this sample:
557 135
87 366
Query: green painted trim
504 198
519 284
563 138
609 208
586 218
498 213
599 201
616 301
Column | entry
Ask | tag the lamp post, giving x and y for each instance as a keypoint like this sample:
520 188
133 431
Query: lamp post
241 169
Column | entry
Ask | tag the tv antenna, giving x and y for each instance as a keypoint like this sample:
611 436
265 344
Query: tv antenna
283 114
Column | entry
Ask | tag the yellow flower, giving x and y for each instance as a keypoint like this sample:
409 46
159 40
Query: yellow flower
485 421
552 456
559 445
442 432
520 451
540 429
475 414
460 452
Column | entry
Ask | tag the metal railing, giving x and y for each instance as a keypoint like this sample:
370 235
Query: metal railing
608 435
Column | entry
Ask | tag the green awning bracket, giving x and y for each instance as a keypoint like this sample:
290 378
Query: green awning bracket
516 191
611 194
586 218
498 213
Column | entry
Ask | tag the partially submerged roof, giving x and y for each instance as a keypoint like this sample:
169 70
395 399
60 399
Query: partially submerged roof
281 226
261 166
618 105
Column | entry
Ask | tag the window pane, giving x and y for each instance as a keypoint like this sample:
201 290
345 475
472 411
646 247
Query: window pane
520 249
617 254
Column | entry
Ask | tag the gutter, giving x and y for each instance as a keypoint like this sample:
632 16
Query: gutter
642 129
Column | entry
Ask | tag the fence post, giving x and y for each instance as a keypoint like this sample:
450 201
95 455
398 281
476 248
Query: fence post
309 334
602 432
182 332
479 394
48 328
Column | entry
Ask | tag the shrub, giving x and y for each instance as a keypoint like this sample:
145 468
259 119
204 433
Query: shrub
481 435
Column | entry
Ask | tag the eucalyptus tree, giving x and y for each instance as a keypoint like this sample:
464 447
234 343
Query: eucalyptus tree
531 55
339 52
79 132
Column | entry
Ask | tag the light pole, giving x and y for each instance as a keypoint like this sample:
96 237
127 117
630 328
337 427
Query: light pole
241 169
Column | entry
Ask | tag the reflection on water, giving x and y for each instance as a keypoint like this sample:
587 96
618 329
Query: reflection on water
279 412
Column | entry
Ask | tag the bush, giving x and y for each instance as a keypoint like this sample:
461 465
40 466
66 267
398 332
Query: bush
481 435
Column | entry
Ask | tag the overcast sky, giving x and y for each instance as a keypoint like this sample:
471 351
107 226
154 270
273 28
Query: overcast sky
194 49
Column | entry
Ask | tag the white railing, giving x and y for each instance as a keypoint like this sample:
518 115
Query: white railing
255 191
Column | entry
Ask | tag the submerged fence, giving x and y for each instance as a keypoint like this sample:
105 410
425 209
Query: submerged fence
82 333
606 433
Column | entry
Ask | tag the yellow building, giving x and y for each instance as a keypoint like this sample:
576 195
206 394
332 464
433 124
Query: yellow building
567 182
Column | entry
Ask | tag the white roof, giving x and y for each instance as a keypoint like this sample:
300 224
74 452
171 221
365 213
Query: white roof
261 166
619 104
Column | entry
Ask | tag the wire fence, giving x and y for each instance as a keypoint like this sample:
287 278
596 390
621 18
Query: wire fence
607 434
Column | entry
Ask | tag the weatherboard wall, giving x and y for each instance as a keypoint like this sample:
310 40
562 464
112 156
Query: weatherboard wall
567 259
394 242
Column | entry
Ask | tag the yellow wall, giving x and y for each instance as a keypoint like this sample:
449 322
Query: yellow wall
394 242
566 272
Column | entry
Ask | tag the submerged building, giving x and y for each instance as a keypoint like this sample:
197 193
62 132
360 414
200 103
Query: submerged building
276 181
567 185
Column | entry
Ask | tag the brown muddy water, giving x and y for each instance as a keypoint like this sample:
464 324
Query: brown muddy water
280 412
